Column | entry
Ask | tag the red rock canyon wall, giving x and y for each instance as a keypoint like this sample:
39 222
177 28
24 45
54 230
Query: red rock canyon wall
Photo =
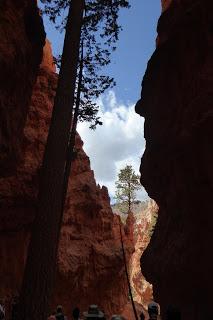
22 39
176 168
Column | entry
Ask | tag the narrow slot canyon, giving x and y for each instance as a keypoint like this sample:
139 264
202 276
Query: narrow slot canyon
90 261
167 237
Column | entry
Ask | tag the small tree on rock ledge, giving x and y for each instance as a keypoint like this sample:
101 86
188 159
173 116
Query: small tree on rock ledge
126 186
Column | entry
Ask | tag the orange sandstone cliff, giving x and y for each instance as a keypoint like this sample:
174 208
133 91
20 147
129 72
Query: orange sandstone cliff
176 168
143 228
90 262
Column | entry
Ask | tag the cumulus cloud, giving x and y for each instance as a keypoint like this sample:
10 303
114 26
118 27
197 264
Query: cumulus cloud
119 141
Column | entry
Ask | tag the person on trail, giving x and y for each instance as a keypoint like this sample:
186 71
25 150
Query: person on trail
2 312
153 311
59 314
93 313
142 316
76 313
173 313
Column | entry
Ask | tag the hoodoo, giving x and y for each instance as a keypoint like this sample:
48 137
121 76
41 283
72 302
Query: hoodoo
176 168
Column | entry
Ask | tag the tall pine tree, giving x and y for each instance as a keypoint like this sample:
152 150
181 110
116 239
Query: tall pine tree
99 35
100 32
41 262
42 254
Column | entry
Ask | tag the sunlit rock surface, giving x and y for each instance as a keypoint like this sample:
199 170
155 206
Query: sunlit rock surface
176 168
143 219
143 228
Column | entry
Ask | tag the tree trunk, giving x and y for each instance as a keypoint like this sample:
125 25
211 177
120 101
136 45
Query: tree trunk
42 254
127 274
129 197
71 145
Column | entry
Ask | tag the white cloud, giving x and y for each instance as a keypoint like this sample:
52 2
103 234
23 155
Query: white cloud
119 141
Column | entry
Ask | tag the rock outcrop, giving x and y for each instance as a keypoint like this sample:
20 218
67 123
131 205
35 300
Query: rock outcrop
143 229
90 261
91 266
22 39
176 168
140 224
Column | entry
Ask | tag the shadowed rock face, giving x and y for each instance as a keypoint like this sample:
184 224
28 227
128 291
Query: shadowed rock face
22 39
90 261
176 168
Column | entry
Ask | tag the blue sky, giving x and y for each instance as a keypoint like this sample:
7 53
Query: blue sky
135 46
120 140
